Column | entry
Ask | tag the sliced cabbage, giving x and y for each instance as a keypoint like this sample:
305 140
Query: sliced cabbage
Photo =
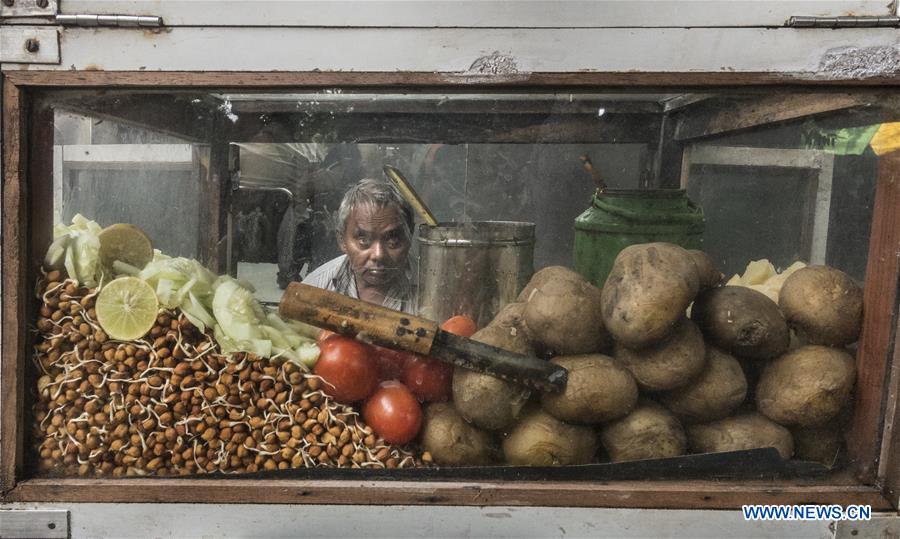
276 337
185 288
164 290
122 268
56 253
293 340
226 343
261 347
77 249
292 327
309 353
86 249
237 311
197 313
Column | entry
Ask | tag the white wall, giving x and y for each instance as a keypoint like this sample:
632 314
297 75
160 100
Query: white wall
309 521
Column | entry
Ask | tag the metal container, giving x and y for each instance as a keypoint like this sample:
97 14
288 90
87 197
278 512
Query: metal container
618 218
473 268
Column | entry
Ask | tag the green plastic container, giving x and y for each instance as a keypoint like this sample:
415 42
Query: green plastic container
618 218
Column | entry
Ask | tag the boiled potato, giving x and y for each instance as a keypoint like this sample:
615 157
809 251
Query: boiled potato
669 364
749 431
508 333
550 273
540 439
719 389
488 402
709 274
807 386
742 321
648 432
598 389
512 315
823 304
818 444
646 293
452 441
563 315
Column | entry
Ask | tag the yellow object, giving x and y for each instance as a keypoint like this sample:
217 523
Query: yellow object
126 243
761 276
778 280
886 139
410 195
127 308
758 272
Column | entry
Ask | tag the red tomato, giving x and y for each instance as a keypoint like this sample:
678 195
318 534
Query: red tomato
460 325
324 335
428 378
394 413
390 362
348 369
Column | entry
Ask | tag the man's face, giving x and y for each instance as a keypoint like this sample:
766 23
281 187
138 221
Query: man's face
376 243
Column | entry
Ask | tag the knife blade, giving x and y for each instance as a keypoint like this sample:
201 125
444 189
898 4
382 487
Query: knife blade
524 370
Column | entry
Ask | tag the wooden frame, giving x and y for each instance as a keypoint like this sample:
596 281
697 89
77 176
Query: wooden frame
27 182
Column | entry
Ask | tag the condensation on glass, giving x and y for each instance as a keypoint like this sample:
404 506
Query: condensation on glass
786 190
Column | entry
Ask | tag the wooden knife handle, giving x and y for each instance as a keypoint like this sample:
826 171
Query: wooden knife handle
351 317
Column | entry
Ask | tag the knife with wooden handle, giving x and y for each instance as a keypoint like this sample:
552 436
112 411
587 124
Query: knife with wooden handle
399 330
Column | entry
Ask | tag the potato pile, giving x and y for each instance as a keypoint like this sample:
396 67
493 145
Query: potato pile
647 380
170 404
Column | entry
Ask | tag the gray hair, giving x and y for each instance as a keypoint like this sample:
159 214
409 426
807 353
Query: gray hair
374 192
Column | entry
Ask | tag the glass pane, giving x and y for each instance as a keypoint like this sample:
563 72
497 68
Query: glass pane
536 195
107 170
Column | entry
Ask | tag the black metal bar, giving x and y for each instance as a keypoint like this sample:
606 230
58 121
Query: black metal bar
528 371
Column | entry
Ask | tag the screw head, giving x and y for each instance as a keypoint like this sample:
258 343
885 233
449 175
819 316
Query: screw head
9 3
42 3
32 44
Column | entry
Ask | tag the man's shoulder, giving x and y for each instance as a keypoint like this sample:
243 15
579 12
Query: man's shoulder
321 276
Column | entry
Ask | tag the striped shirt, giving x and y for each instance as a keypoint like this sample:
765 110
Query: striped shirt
337 276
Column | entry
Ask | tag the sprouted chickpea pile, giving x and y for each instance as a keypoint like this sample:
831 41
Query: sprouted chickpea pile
169 404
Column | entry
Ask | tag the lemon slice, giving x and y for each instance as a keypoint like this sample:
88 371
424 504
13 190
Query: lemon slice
126 243
127 308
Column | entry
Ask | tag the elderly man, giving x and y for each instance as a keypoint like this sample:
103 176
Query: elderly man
374 231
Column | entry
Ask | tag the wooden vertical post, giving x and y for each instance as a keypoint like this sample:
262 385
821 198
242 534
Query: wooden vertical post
15 287
889 465
879 322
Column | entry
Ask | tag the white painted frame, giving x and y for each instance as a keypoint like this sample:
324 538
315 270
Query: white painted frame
487 39
479 13
138 520
484 54
125 156
816 160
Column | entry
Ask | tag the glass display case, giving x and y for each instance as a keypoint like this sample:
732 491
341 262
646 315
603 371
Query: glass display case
236 192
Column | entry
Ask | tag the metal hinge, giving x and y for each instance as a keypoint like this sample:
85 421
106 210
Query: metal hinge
29 44
117 21
50 523
843 22
28 8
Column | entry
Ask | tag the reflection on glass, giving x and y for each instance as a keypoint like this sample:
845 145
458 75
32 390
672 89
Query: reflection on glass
250 185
